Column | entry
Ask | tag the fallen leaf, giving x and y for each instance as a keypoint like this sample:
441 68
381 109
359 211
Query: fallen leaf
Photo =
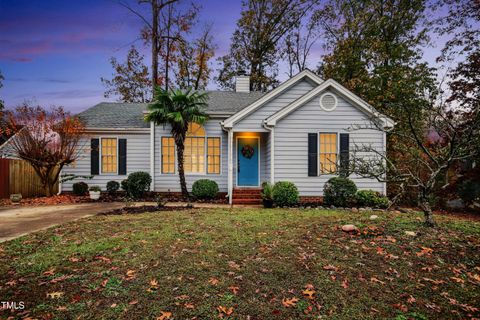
61 308
132 303
153 285
424 251
457 280
55 294
113 305
373 279
50 272
189 306
345 283
164 315
330 267
308 293
11 283
130 274
213 281
233 289
292 302
411 299
225 310
401 307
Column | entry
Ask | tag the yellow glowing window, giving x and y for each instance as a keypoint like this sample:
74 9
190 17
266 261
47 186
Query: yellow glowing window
213 155
194 154
109 155
168 155
328 152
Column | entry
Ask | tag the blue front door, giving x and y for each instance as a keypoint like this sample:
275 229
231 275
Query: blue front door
247 164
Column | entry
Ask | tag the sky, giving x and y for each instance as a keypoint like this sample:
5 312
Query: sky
54 52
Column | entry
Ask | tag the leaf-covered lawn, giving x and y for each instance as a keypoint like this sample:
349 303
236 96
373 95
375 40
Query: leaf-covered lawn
245 263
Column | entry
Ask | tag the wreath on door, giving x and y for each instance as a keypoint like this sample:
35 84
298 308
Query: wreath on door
247 151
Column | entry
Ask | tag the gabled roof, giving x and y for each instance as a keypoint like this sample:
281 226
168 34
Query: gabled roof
330 83
229 122
130 115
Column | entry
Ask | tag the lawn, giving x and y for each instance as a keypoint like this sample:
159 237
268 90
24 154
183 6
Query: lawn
245 264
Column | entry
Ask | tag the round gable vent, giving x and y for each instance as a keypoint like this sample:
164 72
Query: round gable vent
328 102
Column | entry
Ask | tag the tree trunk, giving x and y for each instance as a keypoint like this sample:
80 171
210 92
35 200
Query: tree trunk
427 211
154 39
181 171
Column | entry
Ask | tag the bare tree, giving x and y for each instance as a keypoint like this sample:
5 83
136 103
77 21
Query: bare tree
47 140
298 44
193 70
447 136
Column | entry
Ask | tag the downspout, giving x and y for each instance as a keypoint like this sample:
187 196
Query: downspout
230 165
272 151
152 155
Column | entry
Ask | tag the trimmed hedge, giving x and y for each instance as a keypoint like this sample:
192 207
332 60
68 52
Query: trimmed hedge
339 191
205 189
80 188
112 186
370 198
285 194
137 184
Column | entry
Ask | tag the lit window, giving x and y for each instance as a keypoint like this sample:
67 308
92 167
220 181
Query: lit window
109 155
328 152
168 155
194 157
213 155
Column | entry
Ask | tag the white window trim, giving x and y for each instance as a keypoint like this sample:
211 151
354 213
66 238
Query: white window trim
205 154
259 162
100 156
334 98
319 173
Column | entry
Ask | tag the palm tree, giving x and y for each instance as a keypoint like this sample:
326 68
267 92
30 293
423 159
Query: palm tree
178 108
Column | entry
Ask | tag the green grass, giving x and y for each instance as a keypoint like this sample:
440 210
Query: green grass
248 260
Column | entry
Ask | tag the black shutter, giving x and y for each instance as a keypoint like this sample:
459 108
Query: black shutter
94 157
312 154
344 154
122 156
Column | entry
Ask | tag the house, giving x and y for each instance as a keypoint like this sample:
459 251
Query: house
299 132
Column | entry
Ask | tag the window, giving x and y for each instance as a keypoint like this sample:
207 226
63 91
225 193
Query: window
328 152
201 154
109 155
168 155
213 155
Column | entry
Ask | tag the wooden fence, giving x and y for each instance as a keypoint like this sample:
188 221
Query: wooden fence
18 176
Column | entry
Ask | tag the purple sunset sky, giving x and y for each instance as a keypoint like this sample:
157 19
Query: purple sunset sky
53 52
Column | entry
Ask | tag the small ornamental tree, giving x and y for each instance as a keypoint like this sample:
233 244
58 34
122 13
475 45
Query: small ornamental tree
47 140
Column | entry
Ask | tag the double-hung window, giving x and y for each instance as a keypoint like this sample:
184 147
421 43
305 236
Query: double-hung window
109 155
202 154
328 152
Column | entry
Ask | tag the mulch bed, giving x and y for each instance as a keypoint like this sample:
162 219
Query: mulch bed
141 209
40 201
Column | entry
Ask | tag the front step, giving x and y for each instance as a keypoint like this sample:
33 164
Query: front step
247 196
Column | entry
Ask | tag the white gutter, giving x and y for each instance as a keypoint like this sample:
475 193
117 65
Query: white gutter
272 151
152 155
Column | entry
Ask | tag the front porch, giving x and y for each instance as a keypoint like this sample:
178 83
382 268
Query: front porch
249 165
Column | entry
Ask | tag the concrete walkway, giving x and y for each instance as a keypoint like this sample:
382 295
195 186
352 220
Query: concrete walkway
16 222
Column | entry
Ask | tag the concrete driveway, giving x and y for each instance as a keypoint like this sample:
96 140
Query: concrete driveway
16 222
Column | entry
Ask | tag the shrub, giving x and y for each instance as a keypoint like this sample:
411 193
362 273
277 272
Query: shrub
285 193
80 188
137 184
205 189
339 191
370 198
95 189
469 191
124 185
112 186
267 191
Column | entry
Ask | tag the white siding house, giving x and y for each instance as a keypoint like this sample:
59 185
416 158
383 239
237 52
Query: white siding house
300 132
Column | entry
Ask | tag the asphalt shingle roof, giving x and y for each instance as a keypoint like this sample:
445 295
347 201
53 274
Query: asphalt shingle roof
130 115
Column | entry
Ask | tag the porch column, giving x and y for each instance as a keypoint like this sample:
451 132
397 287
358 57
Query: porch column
152 155
272 155
230 165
